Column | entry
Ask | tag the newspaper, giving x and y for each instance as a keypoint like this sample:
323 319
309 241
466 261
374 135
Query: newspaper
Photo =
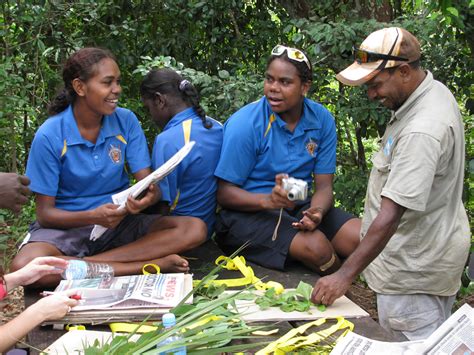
135 190
455 336
124 292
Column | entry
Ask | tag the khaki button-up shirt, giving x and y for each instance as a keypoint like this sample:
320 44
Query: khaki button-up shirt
420 166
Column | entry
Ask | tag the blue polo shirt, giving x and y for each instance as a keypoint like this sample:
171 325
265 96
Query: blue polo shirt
80 174
257 146
191 188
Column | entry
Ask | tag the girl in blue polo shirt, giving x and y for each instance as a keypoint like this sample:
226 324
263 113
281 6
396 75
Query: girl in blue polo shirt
81 156
282 134
173 103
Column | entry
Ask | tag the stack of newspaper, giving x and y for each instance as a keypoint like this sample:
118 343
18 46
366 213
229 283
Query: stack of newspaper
455 336
125 292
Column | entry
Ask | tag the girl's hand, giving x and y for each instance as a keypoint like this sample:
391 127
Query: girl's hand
109 215
34 270
278 197
151 197
54 306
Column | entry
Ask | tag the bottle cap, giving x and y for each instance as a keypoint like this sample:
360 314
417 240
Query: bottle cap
168 320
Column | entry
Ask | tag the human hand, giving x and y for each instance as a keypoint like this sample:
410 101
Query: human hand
54 306
151 196
34 270
278 198
329 288
312 217
14 191
109 215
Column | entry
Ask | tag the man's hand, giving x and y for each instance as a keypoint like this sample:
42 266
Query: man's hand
14 191
278 197
109 215
329 288
312 217
151 197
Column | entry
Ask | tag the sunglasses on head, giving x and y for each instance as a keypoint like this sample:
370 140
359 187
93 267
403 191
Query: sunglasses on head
293 54
362 56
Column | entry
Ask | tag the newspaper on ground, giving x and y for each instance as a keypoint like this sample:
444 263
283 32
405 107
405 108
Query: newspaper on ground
126 292
455 336
135 190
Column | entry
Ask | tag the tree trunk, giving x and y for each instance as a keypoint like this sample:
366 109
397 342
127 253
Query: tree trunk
361 163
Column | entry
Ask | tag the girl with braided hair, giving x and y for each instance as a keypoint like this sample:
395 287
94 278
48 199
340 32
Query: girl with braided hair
173 103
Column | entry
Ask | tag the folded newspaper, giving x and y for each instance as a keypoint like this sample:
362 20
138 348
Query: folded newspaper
455 336
125 292
135 190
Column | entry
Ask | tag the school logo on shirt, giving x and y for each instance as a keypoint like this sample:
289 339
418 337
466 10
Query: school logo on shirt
115 154
311 146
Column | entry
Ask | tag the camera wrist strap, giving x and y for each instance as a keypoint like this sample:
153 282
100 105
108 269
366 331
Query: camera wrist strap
275 232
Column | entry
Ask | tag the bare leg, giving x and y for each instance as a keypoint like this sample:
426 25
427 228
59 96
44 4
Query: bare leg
314 250
347 238
169 263
167 235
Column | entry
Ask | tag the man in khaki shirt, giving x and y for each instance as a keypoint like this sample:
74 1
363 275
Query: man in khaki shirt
415 231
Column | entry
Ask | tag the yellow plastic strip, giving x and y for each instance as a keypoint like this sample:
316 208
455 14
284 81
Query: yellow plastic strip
239 263
131 327
154 267
70 327
294 340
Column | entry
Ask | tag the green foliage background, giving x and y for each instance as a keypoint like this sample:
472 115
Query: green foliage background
222 46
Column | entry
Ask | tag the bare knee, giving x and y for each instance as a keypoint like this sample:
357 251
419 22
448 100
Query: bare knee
19 261
314 250
347 238
30 251
195 231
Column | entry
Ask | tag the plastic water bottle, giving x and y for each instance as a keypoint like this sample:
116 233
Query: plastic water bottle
80 269
169 320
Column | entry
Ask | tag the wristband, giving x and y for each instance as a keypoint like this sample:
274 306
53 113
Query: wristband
3 287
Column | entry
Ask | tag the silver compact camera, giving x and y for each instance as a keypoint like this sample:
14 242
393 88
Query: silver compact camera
296 189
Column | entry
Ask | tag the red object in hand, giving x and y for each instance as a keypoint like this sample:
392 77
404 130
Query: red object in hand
76 297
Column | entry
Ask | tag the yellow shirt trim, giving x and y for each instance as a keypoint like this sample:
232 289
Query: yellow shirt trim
187 130
270 121
121 139
64 149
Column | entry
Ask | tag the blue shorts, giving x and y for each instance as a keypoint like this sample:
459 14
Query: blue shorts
76 242
234 228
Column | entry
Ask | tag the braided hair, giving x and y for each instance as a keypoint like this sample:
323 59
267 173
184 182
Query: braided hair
167 81
80 65
305 73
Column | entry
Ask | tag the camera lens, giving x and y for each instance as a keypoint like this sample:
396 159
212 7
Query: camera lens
292 194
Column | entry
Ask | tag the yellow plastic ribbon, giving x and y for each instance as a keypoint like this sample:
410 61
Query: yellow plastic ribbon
249 278
294 340
155 267
70 327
